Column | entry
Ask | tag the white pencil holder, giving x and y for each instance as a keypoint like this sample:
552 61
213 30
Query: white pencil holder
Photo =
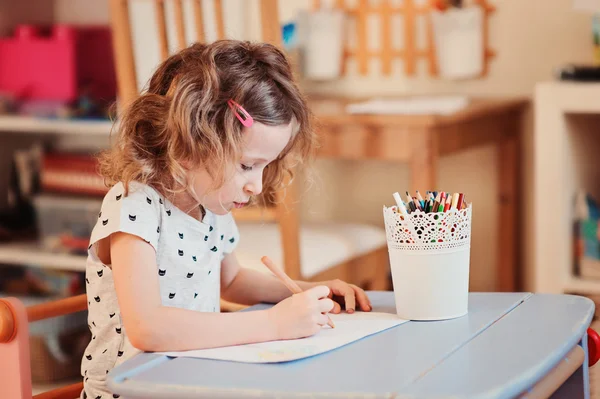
458 37
322 43
429 259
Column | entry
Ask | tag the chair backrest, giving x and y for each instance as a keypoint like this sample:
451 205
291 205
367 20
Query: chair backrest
179 26
15 367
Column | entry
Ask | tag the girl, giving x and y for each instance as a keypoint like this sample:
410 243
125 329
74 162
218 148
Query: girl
218 124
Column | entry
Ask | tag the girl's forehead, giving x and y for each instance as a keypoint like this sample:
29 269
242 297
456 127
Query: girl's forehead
266 142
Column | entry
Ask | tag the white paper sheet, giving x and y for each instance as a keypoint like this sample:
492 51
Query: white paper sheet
436 105
348 328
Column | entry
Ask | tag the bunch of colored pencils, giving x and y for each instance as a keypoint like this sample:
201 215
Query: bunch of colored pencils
434 201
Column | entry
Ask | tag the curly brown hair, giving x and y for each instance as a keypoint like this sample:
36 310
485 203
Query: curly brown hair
183 117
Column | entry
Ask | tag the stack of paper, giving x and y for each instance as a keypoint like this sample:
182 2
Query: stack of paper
435 105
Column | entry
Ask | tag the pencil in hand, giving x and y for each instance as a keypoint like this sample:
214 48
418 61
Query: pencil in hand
287 281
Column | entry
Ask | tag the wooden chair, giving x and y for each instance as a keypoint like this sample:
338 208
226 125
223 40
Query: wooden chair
353 252
15 368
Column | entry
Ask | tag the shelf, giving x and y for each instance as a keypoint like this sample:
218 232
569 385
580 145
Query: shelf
31 254
14 123
583 286
570 97
564 161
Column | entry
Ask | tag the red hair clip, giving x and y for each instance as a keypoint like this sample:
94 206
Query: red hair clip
240 113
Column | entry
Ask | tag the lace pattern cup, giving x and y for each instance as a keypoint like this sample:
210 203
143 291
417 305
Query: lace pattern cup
429 259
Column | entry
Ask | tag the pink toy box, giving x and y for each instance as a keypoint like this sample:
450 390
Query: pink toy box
58 63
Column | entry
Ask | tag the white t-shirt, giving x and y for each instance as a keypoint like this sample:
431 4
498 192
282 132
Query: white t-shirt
188 259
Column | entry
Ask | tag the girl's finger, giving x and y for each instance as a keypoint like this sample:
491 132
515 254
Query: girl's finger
344 289
336 308
361 298
318 292
349 299
326 305
322 319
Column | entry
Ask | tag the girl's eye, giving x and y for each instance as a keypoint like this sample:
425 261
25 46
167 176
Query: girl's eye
246 168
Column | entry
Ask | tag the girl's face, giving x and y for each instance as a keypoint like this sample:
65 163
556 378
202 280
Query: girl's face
262 145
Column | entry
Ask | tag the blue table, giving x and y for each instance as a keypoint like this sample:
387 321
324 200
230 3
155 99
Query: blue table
509 345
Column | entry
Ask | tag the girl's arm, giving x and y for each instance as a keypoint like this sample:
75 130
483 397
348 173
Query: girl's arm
248 287
153 327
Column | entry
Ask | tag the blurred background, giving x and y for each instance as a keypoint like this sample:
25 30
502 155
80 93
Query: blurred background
495 99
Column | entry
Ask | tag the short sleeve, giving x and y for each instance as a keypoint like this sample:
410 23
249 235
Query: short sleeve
137 213
231 232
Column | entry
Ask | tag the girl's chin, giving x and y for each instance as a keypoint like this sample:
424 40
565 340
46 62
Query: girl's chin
222 210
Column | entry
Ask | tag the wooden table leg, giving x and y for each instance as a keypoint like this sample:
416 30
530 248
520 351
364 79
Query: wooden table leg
423 162
508 219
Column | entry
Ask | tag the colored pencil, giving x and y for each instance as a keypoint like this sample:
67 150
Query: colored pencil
448 203
454 204
410 203
421 200
400 204
459 205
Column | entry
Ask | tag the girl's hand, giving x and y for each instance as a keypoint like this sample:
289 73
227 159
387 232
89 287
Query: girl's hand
301 315
347 295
